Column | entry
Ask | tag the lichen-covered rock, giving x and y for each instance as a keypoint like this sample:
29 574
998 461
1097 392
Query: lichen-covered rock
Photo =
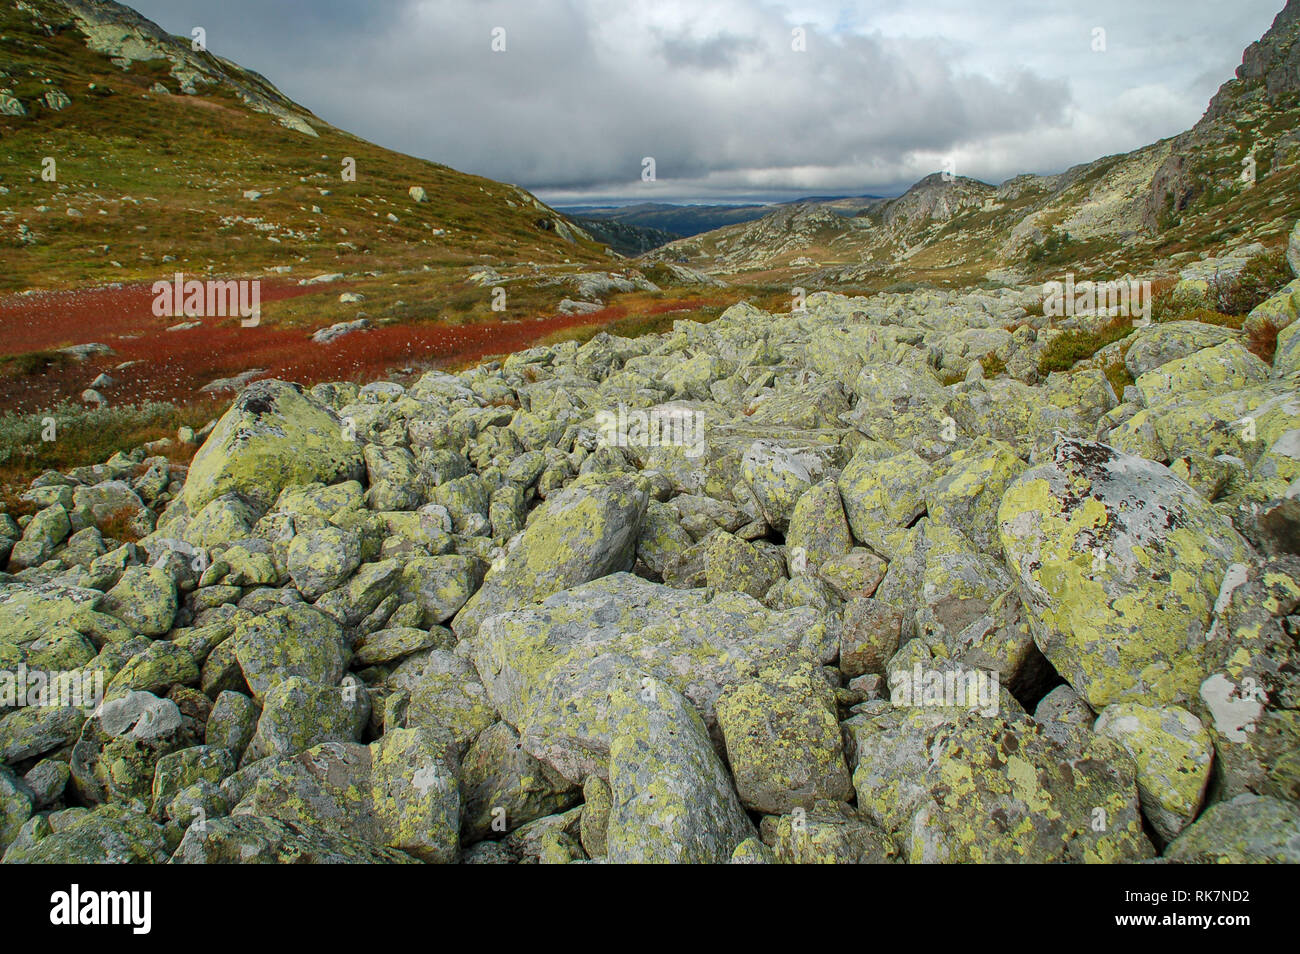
181 769
818 529
778 477
552 840
548 669
1242 423
1173 753
1278 311
1161 343
106 835
291 641
783 739
883 495
853 575
15 807
252 839
439 585
1015 414
222 521
958 787
869 636
966 496
1286 360
393 643
31 731
445 695
320 560
966 610
48 528
1226 367
119 748
159 667
734 564
28 612
596 802
356 599
415 794
144 599
1064 716
752 851
1248 829
671 798
396 482
583 533
828 833
1250 697
1119 565
505 787
273 436
661 537
231 723
107 499
298 714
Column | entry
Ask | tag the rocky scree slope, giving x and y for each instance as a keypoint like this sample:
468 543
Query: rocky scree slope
468 620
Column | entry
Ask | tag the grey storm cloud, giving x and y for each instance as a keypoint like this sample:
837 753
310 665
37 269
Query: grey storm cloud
882 93
721 52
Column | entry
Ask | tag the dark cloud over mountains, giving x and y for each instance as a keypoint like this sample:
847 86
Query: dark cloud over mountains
880 95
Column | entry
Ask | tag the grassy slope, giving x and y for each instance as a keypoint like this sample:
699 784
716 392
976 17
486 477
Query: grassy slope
169 173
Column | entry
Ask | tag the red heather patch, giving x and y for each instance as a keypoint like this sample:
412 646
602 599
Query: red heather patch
175 364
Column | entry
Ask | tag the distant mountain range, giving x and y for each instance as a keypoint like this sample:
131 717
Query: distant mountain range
636 229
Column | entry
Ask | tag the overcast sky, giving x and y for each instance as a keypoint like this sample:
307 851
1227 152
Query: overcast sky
884 92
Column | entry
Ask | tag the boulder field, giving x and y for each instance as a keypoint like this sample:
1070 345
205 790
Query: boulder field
806 587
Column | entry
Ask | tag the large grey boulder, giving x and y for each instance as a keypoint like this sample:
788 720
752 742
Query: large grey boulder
273 435
548 669
671 798
1119 564
291 641
583 533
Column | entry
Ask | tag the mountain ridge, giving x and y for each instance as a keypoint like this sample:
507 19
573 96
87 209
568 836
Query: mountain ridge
1157 200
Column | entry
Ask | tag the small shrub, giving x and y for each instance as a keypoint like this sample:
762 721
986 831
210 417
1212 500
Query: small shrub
1119 378
118 525
1053 250
32 363
1261 341
993 365
1073 346
1257 282
92 435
